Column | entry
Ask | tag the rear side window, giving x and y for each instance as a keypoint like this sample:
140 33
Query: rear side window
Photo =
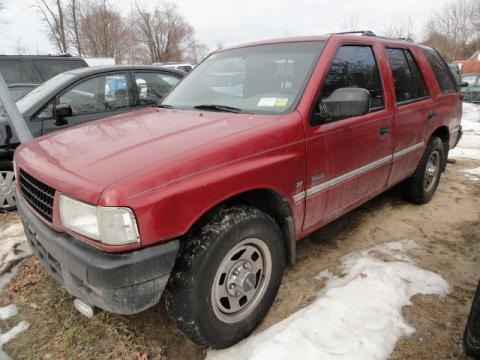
355 66
441 70
408 80
14 71
50 68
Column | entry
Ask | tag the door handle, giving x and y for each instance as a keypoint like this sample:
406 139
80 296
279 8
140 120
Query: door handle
384 131
431 115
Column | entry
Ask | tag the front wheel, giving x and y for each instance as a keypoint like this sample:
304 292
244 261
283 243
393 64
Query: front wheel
226 276
7 186
421 186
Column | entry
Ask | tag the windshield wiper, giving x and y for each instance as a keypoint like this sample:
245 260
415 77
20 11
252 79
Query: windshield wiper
216 107
165 106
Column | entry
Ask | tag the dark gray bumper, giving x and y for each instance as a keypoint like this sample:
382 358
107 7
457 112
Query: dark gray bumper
124 283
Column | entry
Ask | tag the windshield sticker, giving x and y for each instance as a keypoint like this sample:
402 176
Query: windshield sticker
279 102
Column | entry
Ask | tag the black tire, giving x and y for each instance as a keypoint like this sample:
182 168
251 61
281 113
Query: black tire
189 296
414 188
471 335
5 165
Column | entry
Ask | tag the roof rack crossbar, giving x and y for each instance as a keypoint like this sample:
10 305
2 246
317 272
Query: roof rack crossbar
362 32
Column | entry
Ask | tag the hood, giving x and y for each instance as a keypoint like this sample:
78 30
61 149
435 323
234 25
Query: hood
85 159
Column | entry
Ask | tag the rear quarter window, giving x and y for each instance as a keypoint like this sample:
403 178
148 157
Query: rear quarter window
441 70
15 71
408 80
52 67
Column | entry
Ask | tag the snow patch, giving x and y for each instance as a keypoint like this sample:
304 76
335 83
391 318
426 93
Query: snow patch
471 112
9 335
8 311
472 174
13 245
469 145
5 313
358 315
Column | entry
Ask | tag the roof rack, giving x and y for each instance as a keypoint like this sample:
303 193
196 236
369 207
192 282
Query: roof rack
371 33
361 32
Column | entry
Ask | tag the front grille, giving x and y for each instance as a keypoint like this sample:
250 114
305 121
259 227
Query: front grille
37 194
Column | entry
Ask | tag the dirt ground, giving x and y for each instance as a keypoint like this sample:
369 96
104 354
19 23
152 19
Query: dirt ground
448 230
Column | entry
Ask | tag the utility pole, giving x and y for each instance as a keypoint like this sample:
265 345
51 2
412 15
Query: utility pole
9 113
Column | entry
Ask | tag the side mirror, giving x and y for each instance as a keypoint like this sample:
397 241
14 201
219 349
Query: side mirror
60 112
463 84
341 104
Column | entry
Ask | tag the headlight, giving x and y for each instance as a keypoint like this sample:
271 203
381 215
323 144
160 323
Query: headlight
110 225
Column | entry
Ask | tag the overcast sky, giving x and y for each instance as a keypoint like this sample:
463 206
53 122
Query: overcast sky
232 22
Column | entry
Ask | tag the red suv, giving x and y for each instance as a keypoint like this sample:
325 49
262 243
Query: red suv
204 198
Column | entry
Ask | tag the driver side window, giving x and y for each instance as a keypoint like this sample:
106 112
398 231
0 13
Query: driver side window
98 94
355 66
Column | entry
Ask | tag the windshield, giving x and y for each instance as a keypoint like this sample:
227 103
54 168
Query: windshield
38 93
257 79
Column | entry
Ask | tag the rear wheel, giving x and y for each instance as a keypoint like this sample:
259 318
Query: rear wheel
421 186
226 276
7 186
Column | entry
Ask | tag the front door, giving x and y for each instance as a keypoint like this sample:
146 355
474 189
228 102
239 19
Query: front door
348 159
94 98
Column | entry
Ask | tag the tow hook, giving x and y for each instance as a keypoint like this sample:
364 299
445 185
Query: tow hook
85 309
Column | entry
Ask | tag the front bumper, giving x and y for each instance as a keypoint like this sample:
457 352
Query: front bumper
124 283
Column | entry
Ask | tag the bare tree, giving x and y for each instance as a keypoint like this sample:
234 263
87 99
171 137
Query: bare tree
102 31
20 48
453 28
73 26
400 28
2 10
196 53
350 24
163 33
53 15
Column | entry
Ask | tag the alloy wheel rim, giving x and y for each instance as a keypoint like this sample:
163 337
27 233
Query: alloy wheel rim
241 280
7 189
432 171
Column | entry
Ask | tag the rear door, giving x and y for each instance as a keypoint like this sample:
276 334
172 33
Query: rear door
413 110
93 98
349 159
448 103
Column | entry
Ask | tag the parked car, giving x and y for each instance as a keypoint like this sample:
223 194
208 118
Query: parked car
79 96
205 197
176 65
20 90
471 92
22 73
471 335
